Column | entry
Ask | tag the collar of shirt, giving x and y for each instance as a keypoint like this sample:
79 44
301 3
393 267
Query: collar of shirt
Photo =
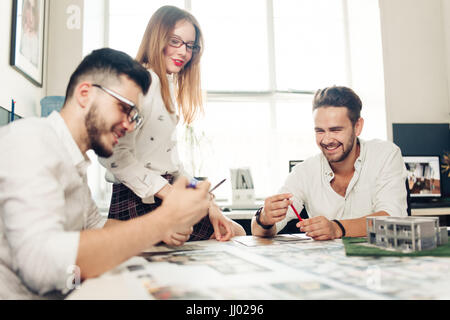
80 161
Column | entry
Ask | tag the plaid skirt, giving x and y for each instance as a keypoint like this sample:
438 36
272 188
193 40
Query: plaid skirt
126 205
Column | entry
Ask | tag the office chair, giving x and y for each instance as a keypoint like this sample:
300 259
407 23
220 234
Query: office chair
408 198
50 104
290 226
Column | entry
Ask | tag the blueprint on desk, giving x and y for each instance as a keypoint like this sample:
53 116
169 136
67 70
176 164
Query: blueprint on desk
284 270
257 269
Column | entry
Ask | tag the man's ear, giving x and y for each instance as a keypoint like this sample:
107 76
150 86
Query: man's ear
83 94
359 126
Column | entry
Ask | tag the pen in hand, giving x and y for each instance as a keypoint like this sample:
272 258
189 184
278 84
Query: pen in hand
193 183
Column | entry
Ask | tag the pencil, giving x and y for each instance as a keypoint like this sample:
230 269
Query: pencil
217 185
298 216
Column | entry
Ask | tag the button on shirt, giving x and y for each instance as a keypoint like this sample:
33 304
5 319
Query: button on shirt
142 156
378 184
44 203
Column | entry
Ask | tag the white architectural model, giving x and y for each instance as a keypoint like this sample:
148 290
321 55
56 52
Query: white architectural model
405 234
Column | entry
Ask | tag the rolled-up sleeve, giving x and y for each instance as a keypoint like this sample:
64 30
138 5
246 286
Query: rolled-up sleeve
390 195
94 219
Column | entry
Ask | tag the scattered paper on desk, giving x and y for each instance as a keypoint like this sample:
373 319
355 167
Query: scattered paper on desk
279 239
222 262
287 270
292 237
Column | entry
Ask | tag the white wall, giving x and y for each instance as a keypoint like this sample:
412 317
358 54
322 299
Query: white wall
367 77
416 63
94 26
14 85
446 26
63 52
65 44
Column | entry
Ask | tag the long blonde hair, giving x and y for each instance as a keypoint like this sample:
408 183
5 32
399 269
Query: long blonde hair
151 55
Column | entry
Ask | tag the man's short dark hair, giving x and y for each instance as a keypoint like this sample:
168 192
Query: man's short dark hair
104 64
339 97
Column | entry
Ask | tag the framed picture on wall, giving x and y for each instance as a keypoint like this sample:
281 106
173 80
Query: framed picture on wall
27 39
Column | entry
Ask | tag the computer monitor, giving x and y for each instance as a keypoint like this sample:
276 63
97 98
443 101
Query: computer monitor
424 177
425 139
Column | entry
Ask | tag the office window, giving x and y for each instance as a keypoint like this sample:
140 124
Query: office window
263 61
128 20
310 44
256 133
236 55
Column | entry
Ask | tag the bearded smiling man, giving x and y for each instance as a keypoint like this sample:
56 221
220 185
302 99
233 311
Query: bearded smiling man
349 180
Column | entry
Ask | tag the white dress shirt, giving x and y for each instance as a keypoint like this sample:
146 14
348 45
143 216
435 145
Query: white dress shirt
44 203
378 184
142 156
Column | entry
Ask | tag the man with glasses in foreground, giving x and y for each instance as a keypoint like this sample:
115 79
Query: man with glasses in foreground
51 233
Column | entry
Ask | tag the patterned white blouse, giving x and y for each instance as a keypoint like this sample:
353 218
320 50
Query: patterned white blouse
142 156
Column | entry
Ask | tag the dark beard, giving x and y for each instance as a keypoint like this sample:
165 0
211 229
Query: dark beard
95 128
346 150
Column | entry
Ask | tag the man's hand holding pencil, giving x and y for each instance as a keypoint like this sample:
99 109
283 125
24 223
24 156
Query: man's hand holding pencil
275 208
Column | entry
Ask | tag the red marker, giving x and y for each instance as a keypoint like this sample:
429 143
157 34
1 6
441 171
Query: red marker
298 216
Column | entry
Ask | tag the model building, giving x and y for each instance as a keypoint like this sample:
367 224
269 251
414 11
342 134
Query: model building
406 234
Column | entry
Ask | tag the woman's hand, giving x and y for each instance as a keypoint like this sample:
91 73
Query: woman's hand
179 238
224 228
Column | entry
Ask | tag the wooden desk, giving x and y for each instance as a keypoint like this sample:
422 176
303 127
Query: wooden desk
248 214
240 214
260 269
243 217
430 211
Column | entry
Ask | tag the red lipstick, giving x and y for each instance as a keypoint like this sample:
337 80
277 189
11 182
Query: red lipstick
177 62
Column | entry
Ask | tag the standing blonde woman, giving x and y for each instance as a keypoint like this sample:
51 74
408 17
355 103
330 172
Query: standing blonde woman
146 162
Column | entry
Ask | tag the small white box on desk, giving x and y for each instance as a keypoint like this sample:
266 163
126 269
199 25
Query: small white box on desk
243 198
243 190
